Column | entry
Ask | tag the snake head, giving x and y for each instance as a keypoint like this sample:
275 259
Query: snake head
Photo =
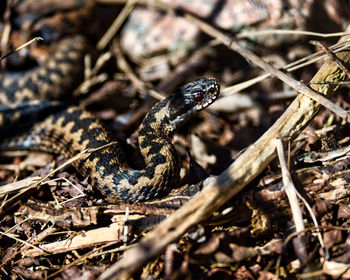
200 93
189 99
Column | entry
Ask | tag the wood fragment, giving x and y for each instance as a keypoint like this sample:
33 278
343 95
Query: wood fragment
102 235
19 185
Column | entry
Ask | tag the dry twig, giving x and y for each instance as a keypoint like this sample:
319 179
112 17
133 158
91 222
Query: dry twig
299 245
34 40
107 37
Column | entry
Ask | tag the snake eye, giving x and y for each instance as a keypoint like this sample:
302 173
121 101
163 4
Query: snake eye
198 96
211 91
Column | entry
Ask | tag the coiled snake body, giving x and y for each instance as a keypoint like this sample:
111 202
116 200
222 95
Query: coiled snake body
71 130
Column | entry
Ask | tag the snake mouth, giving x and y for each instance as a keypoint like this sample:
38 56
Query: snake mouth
205 104
193 110
211 94
182 117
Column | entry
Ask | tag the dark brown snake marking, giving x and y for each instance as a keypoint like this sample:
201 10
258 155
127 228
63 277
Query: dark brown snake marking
51 19
71 130
58 76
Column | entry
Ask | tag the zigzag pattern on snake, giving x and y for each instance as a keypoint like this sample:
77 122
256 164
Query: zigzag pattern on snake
68 129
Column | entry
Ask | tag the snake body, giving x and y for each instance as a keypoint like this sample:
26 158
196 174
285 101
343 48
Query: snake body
68 130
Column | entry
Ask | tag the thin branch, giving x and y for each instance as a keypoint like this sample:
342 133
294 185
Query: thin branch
117 23
317 226
331 56
289 188
246 34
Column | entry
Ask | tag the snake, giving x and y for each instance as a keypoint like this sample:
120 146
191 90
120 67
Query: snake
68 130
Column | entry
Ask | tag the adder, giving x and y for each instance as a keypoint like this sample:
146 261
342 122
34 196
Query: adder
68 130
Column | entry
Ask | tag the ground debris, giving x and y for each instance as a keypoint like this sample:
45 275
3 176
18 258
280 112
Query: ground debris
55 225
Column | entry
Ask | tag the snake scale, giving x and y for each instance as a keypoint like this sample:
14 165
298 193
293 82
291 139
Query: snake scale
68 130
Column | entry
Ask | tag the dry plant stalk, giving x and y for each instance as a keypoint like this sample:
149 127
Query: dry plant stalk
289 188
113 29
34 40
253 161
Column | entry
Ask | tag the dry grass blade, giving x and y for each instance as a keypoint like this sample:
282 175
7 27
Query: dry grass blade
290 188
36 39
299 245
107 37
246 34
234 178
91 254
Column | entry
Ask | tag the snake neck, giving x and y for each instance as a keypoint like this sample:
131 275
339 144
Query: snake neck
162 165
